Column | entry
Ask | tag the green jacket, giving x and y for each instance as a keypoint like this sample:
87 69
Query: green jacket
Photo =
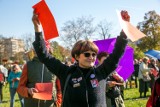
36 74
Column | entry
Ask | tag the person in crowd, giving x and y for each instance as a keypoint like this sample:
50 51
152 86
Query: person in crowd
129 81
134 75
1 85
3 77
83 85
143 71
153 65
35 72
140 60
154 99
113 90
136 70
13 80
67 62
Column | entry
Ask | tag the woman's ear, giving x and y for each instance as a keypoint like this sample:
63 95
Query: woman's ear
77 57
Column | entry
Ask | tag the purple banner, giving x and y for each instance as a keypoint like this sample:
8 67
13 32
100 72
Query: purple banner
125 67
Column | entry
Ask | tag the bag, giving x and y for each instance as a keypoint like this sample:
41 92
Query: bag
146 78
114 92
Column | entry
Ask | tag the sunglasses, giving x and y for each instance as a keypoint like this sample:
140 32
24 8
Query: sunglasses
87 54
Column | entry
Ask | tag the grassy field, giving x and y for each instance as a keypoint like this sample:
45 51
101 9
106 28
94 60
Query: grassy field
6 98
131 97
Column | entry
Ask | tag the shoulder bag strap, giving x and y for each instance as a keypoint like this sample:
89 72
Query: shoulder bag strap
72 68
65 87
42 73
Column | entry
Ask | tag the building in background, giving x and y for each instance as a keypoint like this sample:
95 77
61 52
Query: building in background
11 48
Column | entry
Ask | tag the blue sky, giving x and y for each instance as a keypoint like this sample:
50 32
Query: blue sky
15 15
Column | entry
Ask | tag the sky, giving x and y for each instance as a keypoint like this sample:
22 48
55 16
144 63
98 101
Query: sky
15 15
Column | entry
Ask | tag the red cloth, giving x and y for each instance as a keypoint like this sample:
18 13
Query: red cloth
149 102
47 20
1 77
59 93
153 98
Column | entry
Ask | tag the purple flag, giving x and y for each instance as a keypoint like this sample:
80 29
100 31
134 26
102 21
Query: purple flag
125 67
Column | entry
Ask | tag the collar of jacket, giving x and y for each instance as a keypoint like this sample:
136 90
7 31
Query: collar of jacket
35 59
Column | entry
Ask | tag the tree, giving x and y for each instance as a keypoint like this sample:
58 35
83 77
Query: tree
151 27
138 54
28 40
19 57
59 52
104 28
1 48
75 30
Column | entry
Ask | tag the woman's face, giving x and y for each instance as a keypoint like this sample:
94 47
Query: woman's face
87 59
153 62
15 68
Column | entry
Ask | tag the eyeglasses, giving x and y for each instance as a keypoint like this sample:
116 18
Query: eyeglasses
87 54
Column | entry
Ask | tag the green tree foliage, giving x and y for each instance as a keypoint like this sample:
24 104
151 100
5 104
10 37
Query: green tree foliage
151 27
59 52
138 54
56 51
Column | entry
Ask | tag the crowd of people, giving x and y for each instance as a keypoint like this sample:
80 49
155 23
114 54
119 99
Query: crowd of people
22 82
79 84
145 67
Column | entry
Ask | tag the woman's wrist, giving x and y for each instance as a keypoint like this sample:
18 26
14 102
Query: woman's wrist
37 29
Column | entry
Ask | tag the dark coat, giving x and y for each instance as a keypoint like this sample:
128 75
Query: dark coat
34 72
136 70
82 91
152 101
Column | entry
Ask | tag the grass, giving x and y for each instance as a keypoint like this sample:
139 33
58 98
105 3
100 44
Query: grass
131 98
6 98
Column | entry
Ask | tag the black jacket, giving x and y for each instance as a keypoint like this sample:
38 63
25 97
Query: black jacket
82 91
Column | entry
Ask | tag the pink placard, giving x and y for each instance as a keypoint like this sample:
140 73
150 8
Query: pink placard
132 32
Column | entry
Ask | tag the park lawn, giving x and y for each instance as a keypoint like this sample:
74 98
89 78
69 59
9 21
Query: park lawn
131 98
6 98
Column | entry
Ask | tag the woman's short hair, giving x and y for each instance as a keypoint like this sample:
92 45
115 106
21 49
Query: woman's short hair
145 59
83 46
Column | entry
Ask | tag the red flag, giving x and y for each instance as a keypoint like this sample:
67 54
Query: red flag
47 20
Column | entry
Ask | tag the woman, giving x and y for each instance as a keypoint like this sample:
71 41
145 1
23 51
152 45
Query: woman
2 82
153 65
13 80
83 85
154 99
143 71
113 85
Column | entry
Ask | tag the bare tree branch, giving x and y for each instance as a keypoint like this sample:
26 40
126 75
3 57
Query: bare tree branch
104 29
